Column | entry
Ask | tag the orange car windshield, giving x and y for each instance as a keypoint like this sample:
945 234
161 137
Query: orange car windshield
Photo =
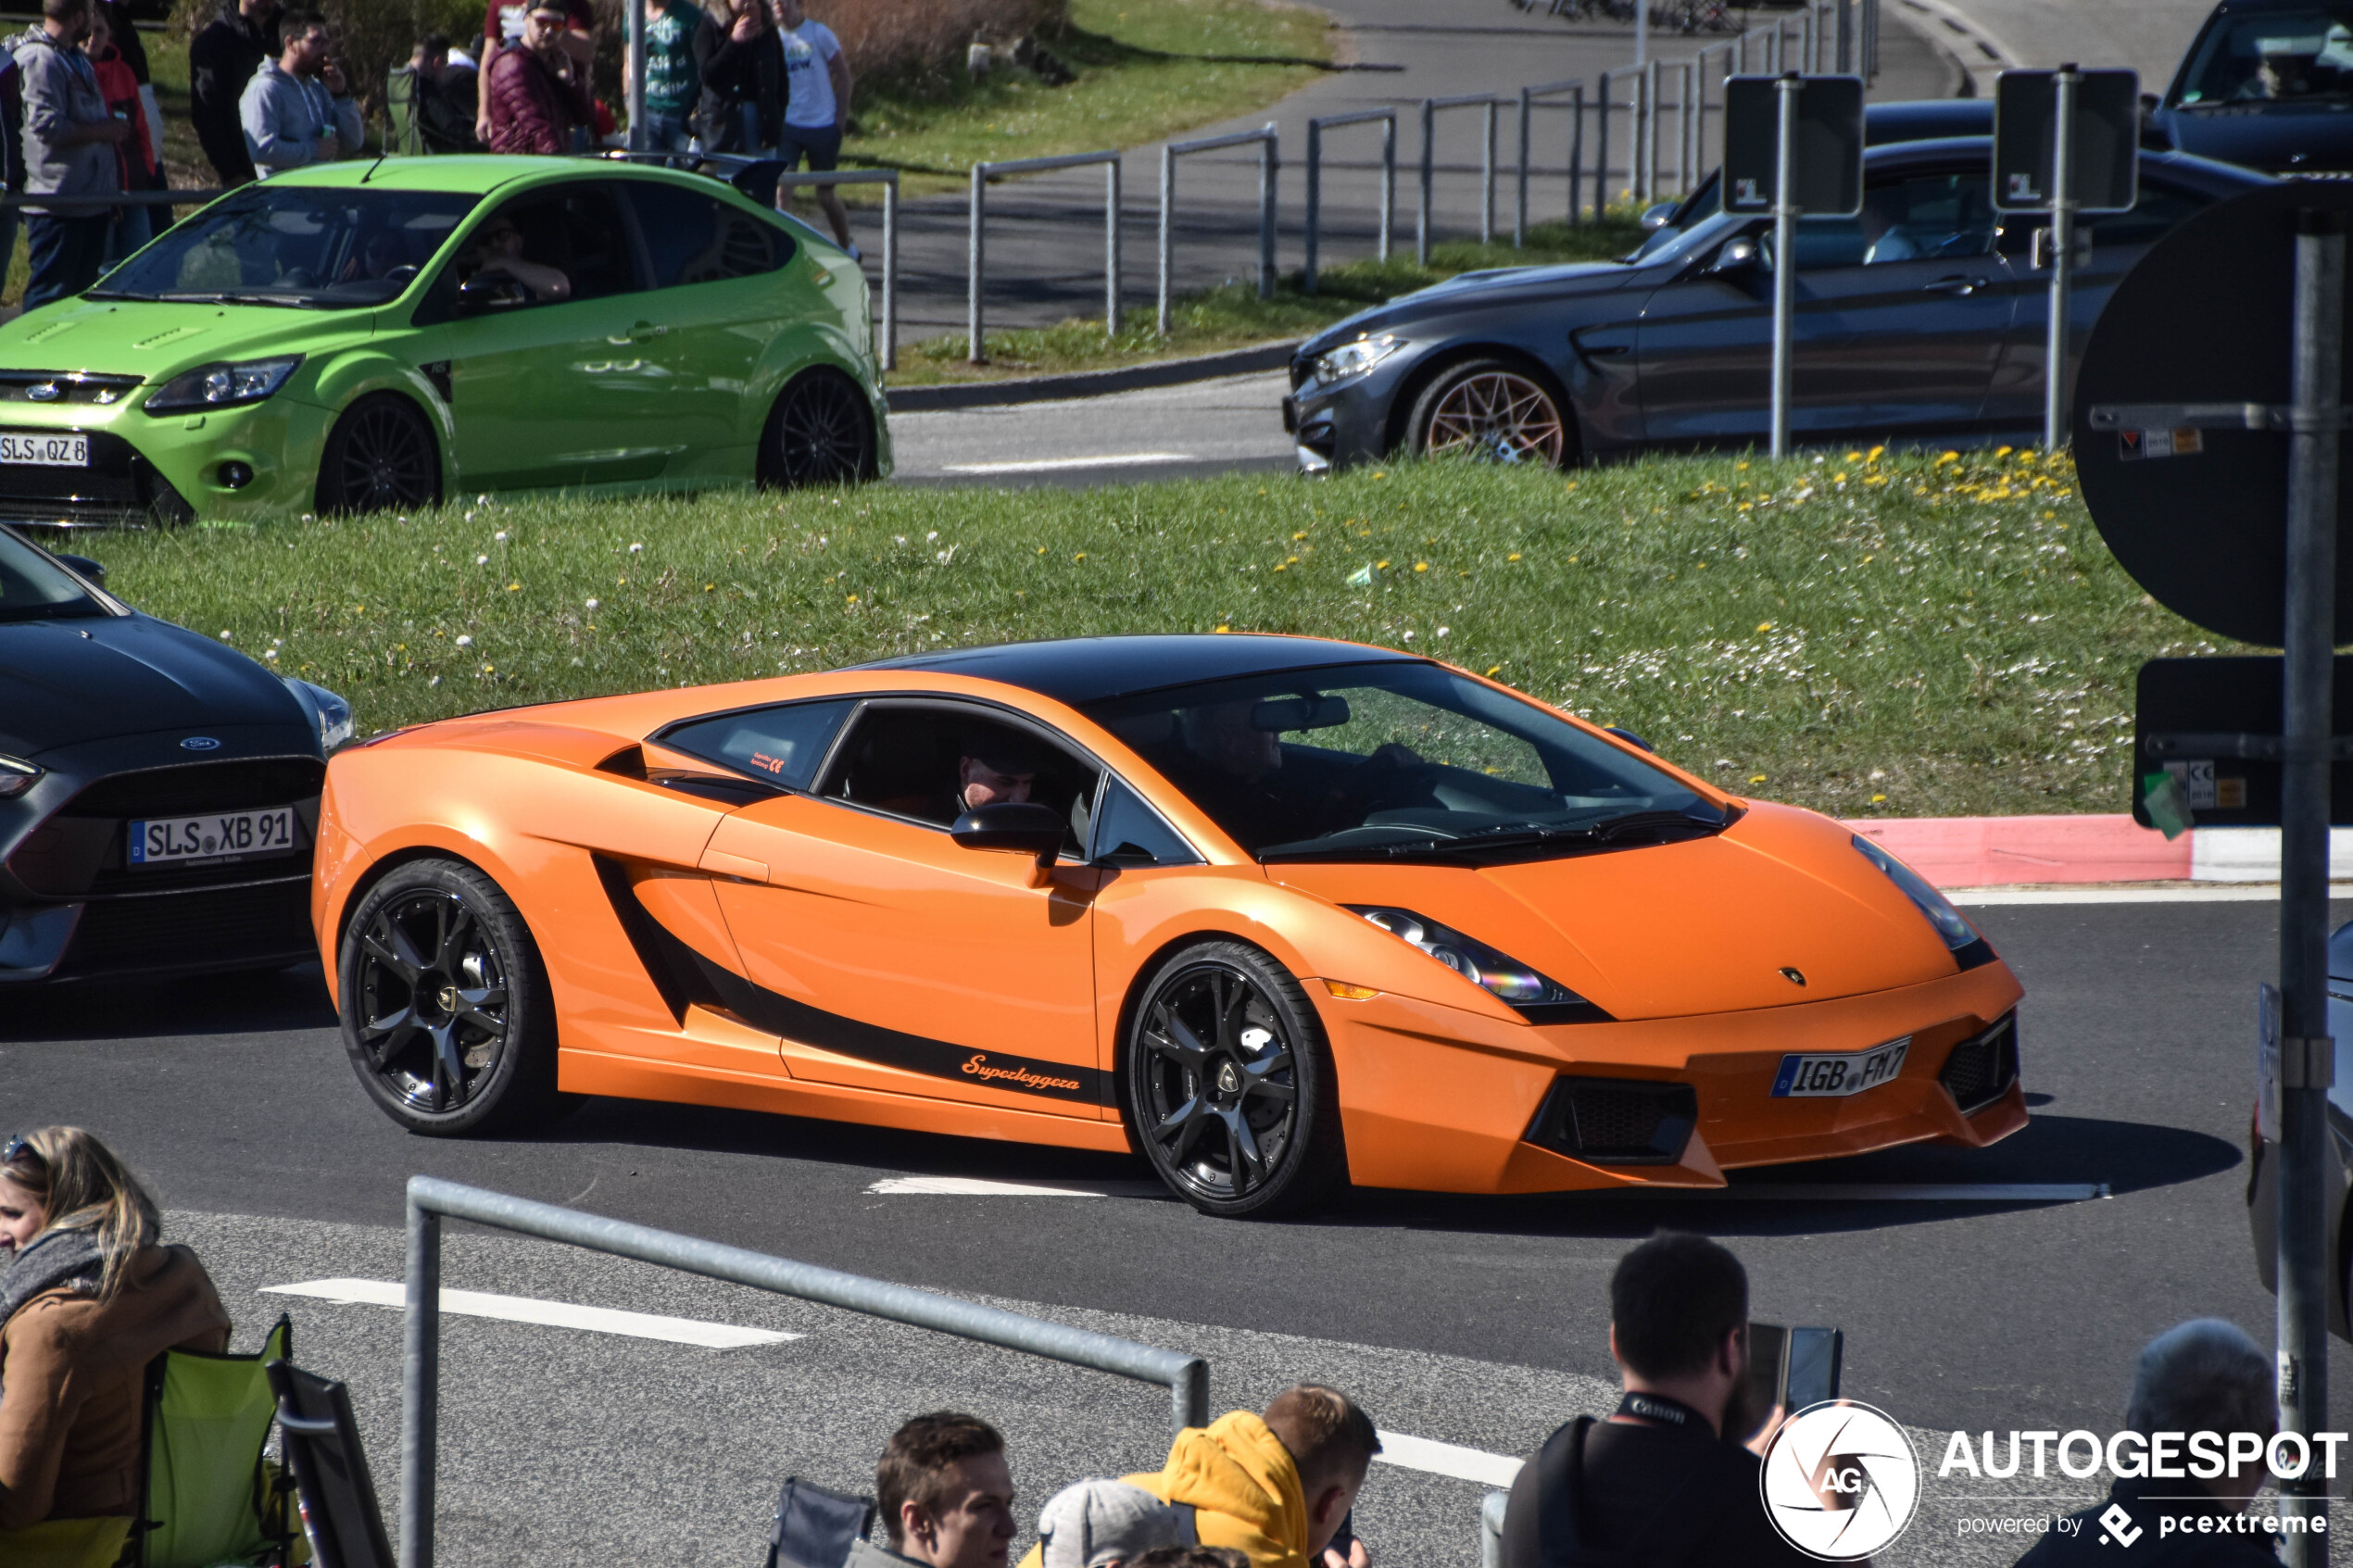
1389 761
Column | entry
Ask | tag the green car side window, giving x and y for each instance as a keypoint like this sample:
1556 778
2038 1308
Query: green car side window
546 247
695 238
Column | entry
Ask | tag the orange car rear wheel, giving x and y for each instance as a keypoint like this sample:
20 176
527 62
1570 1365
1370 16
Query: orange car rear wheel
446 1014
1230 1079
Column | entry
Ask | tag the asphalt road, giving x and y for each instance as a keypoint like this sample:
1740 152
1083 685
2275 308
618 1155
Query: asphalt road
1226 426
1472 1321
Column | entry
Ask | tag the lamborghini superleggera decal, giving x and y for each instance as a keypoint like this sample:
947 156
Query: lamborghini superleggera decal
683 975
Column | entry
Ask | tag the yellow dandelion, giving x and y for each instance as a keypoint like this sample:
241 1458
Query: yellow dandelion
1874 455
1421 566
1380 566
1080 556
1514 555
1764 625
1491 671
1877 799
1756 778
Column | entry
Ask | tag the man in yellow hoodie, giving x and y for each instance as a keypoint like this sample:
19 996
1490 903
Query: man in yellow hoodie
1273 1486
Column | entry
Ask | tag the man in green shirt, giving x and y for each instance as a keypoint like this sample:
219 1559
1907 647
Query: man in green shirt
672 83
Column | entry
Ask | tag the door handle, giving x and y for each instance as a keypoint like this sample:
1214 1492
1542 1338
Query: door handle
1957 283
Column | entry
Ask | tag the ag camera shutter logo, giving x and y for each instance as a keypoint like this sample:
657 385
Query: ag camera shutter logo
1840 1481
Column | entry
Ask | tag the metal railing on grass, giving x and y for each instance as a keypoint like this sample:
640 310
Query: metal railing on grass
1422 218
982 174
1527 96
430 1200
1269 160
1315 129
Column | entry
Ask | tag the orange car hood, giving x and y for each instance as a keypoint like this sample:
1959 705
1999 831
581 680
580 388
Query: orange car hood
1668 930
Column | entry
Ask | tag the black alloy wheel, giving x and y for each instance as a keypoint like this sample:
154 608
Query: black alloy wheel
822 431
1229 1082
381 458
445 1011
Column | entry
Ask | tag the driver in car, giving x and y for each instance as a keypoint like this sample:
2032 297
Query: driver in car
497 252
2282 74
995 767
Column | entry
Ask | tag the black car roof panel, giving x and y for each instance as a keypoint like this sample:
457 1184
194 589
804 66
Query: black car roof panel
1082 670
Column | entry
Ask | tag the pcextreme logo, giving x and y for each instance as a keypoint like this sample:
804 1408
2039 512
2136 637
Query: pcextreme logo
1840 1481
2118 1525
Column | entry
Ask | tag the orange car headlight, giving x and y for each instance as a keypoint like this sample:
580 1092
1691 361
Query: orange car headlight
1506 977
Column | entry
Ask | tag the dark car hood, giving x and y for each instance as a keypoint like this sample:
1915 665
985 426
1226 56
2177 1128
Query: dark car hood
2279 138
1490 287
80 679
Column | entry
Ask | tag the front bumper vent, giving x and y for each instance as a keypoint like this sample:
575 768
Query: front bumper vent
1617 1121
1980 1069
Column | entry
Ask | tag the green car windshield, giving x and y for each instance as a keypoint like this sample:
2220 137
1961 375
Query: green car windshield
1398 760
309 247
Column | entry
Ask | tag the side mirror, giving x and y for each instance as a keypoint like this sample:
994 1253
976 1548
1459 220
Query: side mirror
1737 255
1657 217
87 567
1020 827
490 291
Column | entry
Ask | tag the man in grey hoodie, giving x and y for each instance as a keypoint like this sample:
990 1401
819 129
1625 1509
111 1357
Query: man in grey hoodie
69 137
297 110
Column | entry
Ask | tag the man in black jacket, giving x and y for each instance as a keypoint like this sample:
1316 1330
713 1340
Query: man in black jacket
222 59
1665 1482
2205 1375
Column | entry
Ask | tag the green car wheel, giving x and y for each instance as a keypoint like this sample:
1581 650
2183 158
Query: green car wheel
380 456
822 431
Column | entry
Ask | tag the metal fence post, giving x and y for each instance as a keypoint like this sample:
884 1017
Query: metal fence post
1520 196
1421 223
1601 145
891 273
1167 242
1269 165
1388 185
1577 157
1870 40
971 267
1645 174
1314 201
1487 179
1845 37
1686 123
1111 249
419 1386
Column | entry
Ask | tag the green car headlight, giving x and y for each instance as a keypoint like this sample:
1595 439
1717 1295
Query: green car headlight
230 384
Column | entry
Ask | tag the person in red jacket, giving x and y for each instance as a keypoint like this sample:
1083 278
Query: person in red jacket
118 85
535 94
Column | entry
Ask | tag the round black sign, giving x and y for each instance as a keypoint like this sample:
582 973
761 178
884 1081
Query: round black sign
2200 515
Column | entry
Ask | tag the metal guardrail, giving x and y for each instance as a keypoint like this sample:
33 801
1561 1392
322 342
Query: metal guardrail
117 198
1429 166
1527 96
982 173
1269 160
430 1200
1315 129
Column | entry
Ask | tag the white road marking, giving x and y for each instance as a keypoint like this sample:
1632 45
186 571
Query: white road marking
2199 893
528 1309
1447 1459
979 1186
1047 465
1901 1192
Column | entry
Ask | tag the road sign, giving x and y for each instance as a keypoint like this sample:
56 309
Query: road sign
1829 172
2104 140
2191 348
2207 732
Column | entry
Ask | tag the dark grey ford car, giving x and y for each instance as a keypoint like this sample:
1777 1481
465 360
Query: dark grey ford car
1921 319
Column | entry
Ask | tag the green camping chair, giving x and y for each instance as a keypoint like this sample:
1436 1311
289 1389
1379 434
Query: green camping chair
208 1496
404 129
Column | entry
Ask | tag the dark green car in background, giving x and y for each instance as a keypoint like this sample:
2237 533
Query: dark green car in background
359 337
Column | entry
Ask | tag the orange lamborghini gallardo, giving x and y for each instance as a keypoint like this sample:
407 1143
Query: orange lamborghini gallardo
1273 912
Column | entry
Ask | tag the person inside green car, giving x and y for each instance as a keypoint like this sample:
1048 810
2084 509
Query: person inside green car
498 252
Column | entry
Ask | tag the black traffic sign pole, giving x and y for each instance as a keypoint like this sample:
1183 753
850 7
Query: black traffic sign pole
2307 1058
1785 214
2063 83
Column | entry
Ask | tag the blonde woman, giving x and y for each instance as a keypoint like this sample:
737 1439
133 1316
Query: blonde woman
88 1297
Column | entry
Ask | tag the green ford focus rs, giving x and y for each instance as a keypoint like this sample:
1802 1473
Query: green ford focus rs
359 337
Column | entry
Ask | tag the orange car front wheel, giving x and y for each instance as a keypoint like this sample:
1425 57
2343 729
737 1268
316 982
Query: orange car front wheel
1230 1081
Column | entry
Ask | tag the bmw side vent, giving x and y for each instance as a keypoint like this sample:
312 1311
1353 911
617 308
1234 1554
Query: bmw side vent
1617 1121
1980 1069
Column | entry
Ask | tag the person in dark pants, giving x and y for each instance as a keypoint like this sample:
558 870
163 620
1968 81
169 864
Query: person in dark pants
222 59
70 137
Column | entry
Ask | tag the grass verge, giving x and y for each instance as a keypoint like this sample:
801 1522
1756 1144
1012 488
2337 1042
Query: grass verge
1146 69
1232 316
1867 634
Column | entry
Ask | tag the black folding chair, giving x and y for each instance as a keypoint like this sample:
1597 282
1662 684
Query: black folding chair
817 1528
330 1470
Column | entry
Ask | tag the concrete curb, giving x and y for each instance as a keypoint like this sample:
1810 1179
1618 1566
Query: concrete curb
2057 851
1093 384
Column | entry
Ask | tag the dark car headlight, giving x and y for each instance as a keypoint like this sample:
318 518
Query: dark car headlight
1505 977
17 775
1956 932
330 714
227 385
1354 358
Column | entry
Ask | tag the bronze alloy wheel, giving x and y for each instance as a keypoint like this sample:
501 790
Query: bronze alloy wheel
1490 412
